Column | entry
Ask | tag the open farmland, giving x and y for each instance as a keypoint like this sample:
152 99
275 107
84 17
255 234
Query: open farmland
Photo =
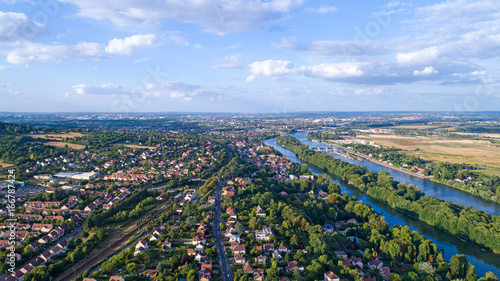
5 165
479 152
418 127
63 136
62 144
486 135
137 146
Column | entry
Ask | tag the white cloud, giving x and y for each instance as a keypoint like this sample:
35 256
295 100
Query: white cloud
171 89
428 70
104 89
28 53
323 9
370 91
90 49
454 36
218 16
40 53
269 68
160 89
452 11
126 45
338 71
179 40
478 73
334 70
421 57
17 26
326 48
233 61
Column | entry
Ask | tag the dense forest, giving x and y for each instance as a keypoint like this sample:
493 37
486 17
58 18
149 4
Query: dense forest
465 222
323 136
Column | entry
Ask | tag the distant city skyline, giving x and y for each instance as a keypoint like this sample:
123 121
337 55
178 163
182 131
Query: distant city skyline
274 56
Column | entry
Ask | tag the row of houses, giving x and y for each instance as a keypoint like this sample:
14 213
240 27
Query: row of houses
44 257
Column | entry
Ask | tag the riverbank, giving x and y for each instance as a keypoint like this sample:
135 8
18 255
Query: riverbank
440 213
413 174
402 170
484 261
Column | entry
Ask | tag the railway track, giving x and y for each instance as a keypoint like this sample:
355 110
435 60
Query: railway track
104 252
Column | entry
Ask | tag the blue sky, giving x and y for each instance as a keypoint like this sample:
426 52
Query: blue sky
249 55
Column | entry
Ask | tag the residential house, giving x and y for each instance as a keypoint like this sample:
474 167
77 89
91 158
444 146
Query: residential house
268 247
261 259
239 259
385 271
234 238
283 249
166 245
277 256
151 274
375 264
263 235
294 265
247 268
260 212
258 274
356 262
238 249
330 276
341 254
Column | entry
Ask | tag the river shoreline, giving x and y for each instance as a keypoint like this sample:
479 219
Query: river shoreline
413 174
452 245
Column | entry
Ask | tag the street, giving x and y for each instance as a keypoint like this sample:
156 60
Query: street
226 272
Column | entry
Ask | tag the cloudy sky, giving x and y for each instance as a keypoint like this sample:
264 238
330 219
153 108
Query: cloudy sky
249 55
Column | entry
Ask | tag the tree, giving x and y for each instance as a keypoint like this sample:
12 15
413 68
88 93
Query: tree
412 276
394 249
254 223
160 267
132 269
297 275
304 168
471 273
426 268
272 274
294 240
459 265
316 243
332 198
28 249
191 276
367 254
394 277
490 276
239 228
333 188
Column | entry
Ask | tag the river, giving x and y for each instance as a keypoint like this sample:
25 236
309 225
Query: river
483 261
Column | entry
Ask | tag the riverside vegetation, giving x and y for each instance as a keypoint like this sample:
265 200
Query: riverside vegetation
465 222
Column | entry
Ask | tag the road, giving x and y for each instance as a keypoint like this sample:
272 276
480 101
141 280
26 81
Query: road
227 274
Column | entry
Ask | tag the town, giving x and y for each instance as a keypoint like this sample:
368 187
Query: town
213 205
